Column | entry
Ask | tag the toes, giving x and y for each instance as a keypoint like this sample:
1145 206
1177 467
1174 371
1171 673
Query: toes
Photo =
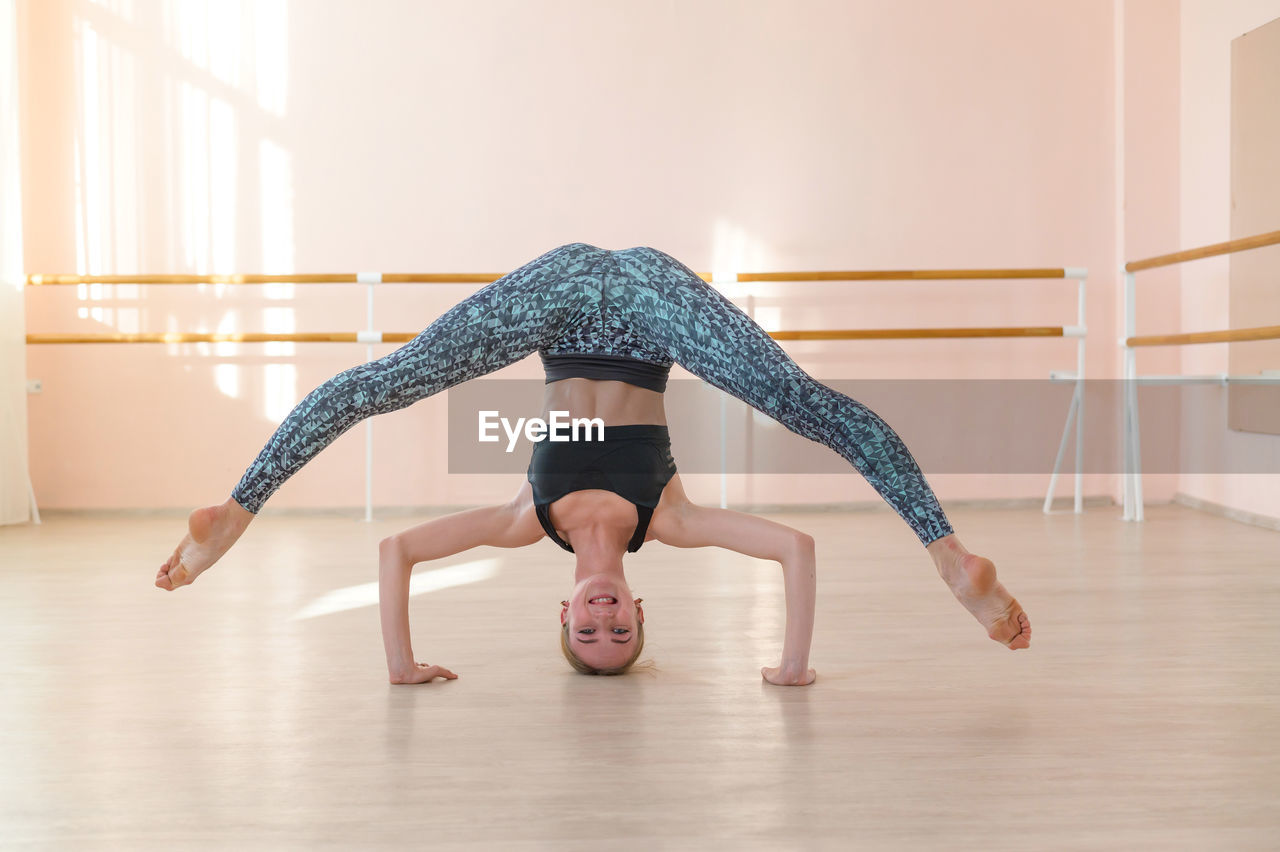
177 575
1013 632
1023 638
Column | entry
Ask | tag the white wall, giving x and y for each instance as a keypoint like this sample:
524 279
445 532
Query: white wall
1207 30
14 505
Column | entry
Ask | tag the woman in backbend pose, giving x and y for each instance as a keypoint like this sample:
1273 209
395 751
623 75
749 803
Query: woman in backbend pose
608 324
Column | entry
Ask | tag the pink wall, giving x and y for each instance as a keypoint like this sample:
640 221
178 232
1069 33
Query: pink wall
326 136
1208 28
1148 222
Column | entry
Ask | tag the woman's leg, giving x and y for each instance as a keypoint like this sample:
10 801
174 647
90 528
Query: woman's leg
710 337
501 323
713 339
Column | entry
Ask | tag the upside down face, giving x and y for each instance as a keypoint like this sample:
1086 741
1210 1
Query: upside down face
603 618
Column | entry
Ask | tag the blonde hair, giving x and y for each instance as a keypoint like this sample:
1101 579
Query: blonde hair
583 668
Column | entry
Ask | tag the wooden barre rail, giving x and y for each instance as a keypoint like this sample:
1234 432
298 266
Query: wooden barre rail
918 333
314 278
398 337
1266 332
484 278
1229 247
205 337
905 275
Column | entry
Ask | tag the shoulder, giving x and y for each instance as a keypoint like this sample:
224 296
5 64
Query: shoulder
522 500
522 519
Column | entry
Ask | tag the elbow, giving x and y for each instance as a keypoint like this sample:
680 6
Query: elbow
803 546
390 550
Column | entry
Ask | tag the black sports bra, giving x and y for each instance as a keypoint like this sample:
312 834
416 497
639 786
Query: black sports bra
633 461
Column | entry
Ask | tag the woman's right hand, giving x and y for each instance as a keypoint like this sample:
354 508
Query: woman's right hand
422 673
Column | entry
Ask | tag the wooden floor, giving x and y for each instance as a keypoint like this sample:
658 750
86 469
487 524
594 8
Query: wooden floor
252 710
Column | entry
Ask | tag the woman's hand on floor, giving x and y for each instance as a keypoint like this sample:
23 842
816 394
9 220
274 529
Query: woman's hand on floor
788 675
422 673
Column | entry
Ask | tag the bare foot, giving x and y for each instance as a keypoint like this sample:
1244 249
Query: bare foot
211 532
973 581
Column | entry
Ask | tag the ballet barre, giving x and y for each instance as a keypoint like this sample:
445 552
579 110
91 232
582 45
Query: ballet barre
303 278
1270 238
1266 332
914 275
1131 438
370 336
42 280
405 337
1075 412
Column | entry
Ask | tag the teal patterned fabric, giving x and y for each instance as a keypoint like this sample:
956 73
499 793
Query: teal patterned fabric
638 302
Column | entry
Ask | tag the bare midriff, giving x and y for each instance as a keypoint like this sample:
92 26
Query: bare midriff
616 403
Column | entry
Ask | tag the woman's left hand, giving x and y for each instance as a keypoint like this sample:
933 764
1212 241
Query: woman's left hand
422 673
788 675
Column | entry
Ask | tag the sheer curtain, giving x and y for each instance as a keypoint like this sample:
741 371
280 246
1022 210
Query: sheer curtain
14 485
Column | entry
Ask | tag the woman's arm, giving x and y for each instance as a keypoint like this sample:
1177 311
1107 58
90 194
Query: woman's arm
689 525
509 525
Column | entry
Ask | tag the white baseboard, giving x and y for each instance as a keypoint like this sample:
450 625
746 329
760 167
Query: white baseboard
1221 511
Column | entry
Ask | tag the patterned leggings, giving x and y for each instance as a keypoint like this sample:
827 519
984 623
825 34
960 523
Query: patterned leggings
637 302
